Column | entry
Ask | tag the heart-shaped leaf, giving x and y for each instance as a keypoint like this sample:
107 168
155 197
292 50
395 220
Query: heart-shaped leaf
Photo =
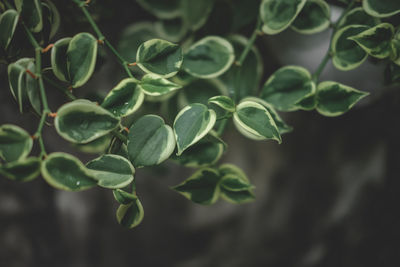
66 172
376 41
347 54
111 171
334 98
8 24
154 85
313 18
209 57
255 122
357 16
204 153
277 15
124 99
159 57
150 141
59 59
282 126
82 121
130 215
381 8
22 170
201 188
31 13
15 143
123 197
81 58
191 124
223 102
287 86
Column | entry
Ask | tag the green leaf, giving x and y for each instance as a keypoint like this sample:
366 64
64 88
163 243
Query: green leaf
191 124
209 57
82 121
282 126
31 13
32 88
53 17
201 188
173 30
347 54
111 171
15 143
199 91
96 146
8 24
66 172
132 37
288 86
162 9
235 186
150 141
243 80
159 57
255 122
376 41
130 215
81 58
237 197
123 197
223 102
18 80
195 13
381 8
206 152
358 16
22 170
235 183
154 85
313 18
334 98
59 59
277 15
124 99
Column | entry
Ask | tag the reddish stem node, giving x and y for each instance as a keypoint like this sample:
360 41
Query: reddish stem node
132 64
31 74
53 114
47 48
126 129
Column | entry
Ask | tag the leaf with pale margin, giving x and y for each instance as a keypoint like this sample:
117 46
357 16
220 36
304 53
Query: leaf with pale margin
154 85
111 171
381 8
59 59
376 41
130 215
334 98
66 172
313 18
15 143
8 24
22 170
82 121
209 57
150 141
255 122
277 15
191 124
202 187
124 99
159 57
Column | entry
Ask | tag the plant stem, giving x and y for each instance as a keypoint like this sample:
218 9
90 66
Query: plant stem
38 73
250 43
60 88
102 38
328 53
120 136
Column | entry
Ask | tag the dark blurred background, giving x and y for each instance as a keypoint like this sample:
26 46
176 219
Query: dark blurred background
328 196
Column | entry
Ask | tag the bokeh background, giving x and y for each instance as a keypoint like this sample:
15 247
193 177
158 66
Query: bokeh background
328 196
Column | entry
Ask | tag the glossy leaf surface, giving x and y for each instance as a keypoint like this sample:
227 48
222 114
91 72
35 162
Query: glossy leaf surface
15 143
8 24
23 170
313 18
130 215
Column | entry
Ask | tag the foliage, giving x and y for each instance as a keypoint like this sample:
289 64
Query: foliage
203 84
